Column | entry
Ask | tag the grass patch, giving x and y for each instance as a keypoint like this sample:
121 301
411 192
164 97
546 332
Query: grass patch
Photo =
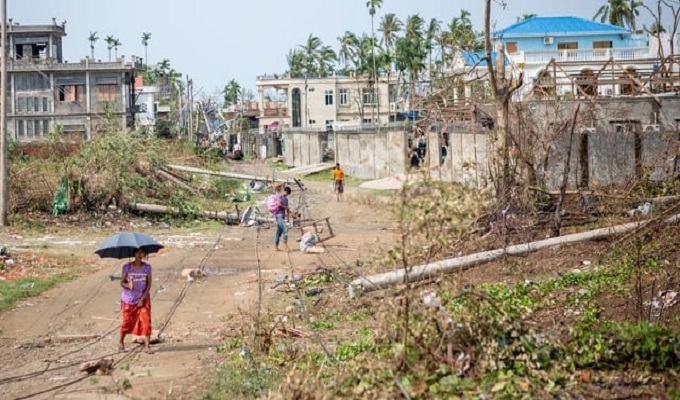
15 291
237 380
327 176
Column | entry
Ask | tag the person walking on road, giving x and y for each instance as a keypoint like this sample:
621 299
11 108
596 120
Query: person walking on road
338 181
281 216
136 301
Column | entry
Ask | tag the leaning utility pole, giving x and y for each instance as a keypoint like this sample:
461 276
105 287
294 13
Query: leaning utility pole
4 194
190 109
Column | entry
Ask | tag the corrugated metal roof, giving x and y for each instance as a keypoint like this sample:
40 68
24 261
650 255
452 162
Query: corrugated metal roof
477 58
557 25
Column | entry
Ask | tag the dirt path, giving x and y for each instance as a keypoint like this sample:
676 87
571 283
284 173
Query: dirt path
191 318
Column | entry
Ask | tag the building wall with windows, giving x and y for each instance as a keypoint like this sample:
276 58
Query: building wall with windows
48 94
326 103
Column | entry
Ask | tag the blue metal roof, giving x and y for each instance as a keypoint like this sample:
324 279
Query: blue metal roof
476 58
540 26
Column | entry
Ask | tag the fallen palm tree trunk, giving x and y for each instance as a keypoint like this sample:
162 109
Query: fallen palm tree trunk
420 272
224 174
170 177
155 208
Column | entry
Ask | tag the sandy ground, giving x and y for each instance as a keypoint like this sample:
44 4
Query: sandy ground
40 359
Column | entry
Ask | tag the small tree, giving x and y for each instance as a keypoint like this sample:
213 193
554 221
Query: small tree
146 36
92 39
110 40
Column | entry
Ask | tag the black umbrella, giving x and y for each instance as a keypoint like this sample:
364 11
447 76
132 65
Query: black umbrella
123 245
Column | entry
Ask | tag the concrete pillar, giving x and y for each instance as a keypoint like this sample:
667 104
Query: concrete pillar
88 104
50 54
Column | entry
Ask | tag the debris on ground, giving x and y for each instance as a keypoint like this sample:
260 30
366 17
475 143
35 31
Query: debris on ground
99 367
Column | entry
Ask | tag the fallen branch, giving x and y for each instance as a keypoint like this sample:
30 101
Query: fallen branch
69 338
225 174
159 209
375 282
291 332
100 367
170 177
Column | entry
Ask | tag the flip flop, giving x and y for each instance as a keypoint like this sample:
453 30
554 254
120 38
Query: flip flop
149 351
122 350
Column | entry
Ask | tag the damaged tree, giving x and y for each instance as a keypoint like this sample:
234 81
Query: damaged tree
502 90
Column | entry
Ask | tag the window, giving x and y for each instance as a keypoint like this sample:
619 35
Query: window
29 104
602 44
29 128
71 93
106 92
329 124
329 97
368 96
45 104
46 126
20 128
511 47
567 45
343 97
36 104
569 49
38 127
367 121
312 122
20 105
31 82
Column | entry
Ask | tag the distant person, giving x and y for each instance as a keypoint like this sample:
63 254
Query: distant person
310 239
415 160
281 215
338 181
136 301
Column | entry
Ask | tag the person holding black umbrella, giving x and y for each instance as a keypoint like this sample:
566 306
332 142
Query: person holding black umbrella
136 301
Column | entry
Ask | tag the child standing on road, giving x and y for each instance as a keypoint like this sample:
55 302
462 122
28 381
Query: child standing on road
338 181
281 216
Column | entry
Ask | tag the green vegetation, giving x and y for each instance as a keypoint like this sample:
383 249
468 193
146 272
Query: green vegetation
13 292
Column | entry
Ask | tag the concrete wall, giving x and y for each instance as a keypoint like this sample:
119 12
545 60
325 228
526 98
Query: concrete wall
607 133
367 155
302 148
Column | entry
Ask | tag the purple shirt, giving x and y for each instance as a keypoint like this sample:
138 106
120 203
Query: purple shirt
283 202
138 278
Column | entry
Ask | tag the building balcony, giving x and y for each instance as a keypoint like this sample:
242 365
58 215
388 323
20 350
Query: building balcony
541 57
274 112
45 65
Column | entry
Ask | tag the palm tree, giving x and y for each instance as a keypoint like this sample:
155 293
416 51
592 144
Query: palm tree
348 48
325 60
110 40
619 12
146 36
93 39
116 43
410 58
231 92
390 26
431 35
296 63
527 16
163 67
373 6
310 49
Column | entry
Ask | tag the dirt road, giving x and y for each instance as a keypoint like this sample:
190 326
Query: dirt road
44 339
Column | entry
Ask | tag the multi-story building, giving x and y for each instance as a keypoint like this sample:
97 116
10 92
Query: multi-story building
48 93
575 57
325 103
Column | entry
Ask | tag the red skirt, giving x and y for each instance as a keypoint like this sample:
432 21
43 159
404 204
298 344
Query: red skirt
136 320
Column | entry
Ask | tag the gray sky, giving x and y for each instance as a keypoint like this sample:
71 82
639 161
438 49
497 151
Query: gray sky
214 41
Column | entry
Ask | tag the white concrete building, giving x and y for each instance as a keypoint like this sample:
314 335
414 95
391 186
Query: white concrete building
325 103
